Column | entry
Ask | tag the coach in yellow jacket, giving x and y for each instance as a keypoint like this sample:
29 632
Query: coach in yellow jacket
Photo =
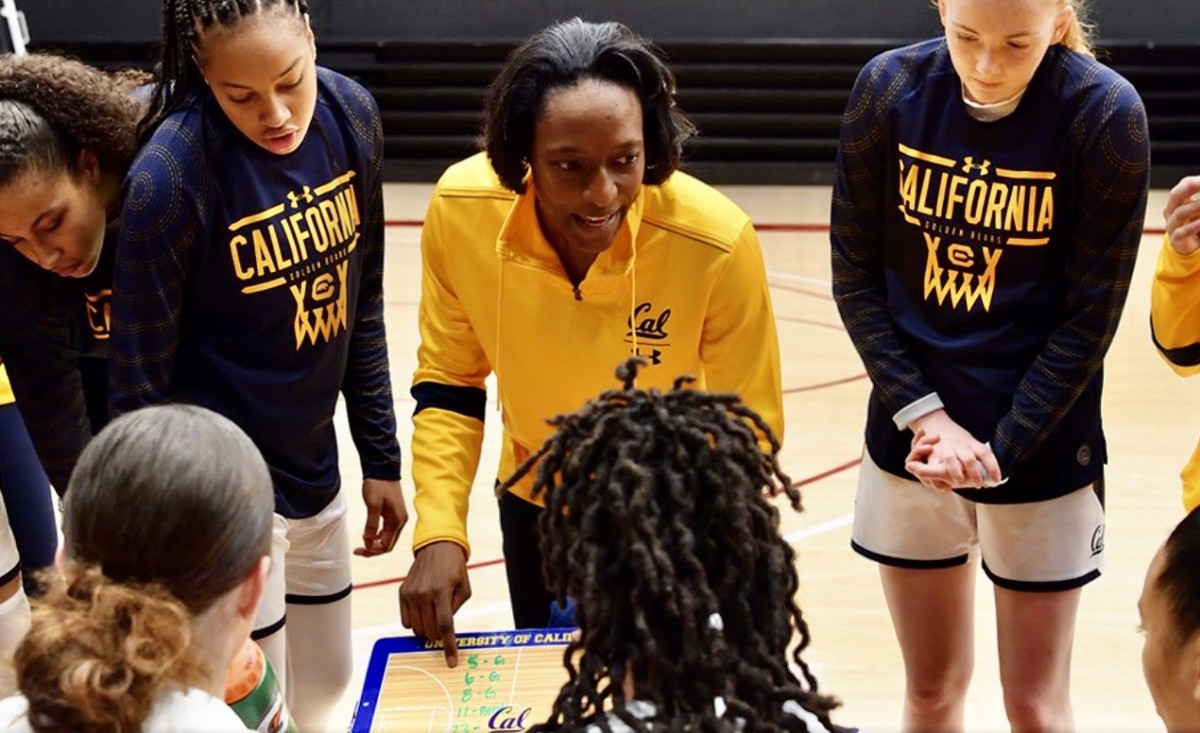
569 244
1175 302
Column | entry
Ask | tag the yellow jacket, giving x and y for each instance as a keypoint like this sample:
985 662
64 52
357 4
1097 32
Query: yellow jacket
1175 327
686 268
6 393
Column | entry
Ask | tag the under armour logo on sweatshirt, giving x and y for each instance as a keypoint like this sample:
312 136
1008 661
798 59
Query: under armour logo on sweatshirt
969 165
306 194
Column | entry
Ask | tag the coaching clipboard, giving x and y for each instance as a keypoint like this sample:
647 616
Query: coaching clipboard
505 681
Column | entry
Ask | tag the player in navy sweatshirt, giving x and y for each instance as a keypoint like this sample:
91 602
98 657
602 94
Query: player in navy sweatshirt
248 280
987 209
66 141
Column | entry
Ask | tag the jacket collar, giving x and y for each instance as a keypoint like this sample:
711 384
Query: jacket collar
521 239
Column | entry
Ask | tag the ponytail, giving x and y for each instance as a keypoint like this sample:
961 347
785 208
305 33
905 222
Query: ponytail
1080 31
52 107
98 653
168 509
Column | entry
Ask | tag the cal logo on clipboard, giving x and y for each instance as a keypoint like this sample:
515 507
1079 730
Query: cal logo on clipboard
505 682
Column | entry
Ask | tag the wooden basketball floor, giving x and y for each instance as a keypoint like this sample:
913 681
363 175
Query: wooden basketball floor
1151 420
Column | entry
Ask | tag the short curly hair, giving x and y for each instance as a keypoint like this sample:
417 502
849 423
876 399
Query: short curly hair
560 57
53 107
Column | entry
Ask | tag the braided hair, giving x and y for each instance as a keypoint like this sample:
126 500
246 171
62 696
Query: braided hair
658 524
183 24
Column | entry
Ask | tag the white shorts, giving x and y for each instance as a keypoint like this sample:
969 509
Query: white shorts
310 565
1051 545
10 559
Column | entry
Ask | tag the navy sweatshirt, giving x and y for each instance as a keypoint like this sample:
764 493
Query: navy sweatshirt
252 284
988 262
54 334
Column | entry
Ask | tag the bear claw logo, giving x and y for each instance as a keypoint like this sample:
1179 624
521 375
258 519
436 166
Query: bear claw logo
321 307
960 284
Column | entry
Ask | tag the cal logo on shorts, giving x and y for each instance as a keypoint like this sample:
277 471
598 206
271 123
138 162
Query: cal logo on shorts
1098 540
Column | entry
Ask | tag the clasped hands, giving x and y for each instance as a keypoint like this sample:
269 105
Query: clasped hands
945 456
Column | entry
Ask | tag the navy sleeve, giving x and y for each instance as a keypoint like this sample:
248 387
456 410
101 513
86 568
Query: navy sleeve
1112 186
35 344
857 233
367 384
161 223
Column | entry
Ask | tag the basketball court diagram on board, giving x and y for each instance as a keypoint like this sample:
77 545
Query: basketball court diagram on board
504 681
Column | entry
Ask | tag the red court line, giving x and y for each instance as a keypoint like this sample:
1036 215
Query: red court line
826 474
800 228
806 228
823 385
799 290
389 581
779 227
500 560
810 322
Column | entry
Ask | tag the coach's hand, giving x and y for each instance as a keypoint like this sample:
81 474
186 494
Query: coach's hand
1182 215
436 587
385 505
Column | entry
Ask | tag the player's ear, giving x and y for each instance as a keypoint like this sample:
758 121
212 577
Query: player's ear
253 588
87 165
1063 22
1193 649
308 34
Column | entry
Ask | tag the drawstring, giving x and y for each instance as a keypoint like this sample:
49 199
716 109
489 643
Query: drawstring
633 300
499 321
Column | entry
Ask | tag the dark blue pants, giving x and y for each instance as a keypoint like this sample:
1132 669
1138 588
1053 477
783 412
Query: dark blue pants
27 495
523 563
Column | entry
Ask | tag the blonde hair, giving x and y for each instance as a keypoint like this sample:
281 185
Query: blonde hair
98 652
168 509
1080 31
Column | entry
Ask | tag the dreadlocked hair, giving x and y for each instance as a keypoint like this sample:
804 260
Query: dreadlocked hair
183 24
53 107
659 525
